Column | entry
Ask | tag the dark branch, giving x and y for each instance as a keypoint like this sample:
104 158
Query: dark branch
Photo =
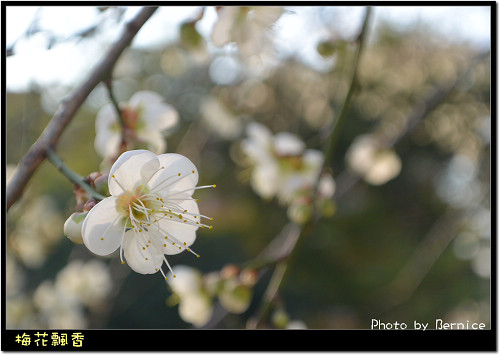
68 108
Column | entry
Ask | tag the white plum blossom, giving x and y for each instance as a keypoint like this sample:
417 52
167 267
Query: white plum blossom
150 213
146 116
249 27
195 303
281 164
374 164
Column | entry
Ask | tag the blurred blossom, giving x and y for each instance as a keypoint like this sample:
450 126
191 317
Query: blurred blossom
256 96
458 185
296 324
249 27
195 304
468 311
375 165
281 165
14 276
56 309
89 283
20 313
146 118
219 119
224 70
301 208
37 230
234 296
78 286
481 264
196 293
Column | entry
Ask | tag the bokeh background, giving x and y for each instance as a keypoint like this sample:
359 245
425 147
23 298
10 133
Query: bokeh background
414 247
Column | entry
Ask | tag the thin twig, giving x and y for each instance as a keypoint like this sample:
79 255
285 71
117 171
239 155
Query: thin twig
109 86
68 108
339 123
72 176
282 263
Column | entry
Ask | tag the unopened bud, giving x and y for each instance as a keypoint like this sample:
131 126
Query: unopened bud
73 227
300 213
235 297
328 208
229 271
249 277
280 319
92 177
101 185
89 205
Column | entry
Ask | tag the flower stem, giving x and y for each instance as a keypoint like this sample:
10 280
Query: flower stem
116 105
335 131
71 175
280 274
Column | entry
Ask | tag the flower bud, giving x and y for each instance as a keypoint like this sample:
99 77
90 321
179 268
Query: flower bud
235 297
299 213
249 277
92 177
212 282
229 271
89 205
73 227
101 185
327 208
280 319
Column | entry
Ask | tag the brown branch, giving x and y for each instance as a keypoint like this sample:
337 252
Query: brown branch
68 108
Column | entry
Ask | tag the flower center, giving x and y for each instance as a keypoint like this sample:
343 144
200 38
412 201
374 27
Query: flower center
135 207
144 208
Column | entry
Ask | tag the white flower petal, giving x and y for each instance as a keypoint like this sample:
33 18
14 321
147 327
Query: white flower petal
144 98
313 161
160 116
154 139
107 143
386 166
102 228
326 186
196 309
259 133
187 280
143 257
265 180
183 234
288 144
179 174
105 118
221 32
127 173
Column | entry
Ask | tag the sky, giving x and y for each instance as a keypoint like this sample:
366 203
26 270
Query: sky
297 33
